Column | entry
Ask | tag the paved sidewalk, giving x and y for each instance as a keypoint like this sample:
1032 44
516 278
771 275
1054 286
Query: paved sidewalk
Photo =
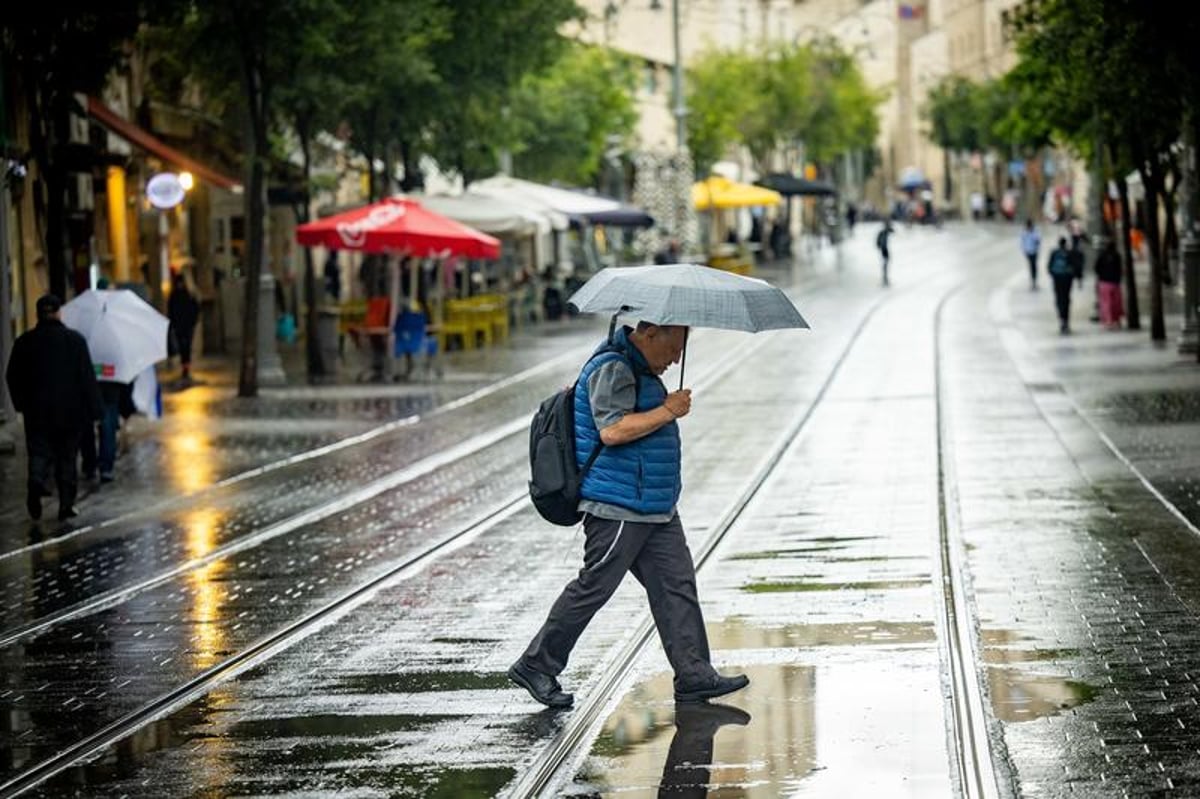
1086 584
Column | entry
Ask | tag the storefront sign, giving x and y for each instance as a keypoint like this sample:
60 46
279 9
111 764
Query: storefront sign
165 190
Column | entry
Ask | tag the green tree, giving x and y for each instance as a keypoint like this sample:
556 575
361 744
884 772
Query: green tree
564 117
389 78
1119 77
253 44
810 95
490 49
54 50
718 96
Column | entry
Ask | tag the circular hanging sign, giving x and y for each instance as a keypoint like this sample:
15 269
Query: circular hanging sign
165 190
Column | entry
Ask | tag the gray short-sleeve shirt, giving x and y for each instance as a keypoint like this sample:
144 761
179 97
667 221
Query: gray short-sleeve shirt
612 392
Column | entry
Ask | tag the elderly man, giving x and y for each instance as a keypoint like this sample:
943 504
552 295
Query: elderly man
630 521
53 384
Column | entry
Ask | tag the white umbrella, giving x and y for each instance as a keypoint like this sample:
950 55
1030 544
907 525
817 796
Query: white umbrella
124 333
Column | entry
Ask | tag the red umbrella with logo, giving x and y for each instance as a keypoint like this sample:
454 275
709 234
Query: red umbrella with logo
397 224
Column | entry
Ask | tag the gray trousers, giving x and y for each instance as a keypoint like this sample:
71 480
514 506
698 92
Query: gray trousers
659 558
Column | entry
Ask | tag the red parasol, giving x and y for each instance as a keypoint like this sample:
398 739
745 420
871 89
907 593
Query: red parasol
397 224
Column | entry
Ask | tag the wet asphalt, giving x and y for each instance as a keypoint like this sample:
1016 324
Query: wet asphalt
1074 466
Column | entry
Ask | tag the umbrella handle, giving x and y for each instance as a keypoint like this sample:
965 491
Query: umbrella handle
612 325
683 357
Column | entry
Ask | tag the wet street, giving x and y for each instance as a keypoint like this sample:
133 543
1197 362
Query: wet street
956 553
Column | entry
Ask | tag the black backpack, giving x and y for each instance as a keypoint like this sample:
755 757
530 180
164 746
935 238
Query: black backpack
554 478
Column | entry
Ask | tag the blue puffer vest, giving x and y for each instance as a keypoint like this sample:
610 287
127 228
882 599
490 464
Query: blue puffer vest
643 475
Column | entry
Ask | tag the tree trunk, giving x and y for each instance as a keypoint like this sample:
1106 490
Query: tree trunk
54 177
1152 181
316 367
1131 297
412 170
255 208
1170 237
947 183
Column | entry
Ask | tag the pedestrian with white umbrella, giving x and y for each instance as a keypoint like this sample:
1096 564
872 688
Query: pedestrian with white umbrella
627 448
126 336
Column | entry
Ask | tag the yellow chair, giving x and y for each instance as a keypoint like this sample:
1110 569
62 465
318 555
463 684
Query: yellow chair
465 319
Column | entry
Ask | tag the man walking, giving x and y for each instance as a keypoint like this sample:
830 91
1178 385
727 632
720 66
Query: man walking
630 520
1063 276
1031 242
53 384
881 243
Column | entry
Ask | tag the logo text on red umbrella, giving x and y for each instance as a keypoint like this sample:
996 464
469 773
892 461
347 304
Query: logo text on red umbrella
354 234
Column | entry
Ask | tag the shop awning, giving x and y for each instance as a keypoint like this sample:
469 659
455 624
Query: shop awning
140 138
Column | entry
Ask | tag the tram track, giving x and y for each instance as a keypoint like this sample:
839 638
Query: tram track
548 770
968 741
566 745
967 718
463 449
318 618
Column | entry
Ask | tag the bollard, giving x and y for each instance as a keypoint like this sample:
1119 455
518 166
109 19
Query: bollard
270 367
1189 339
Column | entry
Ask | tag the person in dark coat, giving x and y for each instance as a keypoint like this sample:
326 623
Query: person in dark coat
881 244
183 310
1063 276
53 384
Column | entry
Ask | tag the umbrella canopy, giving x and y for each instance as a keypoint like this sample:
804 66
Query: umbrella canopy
624 215
397 224
721 192
486 214
688 294
580 207
912 178
125 334
792 186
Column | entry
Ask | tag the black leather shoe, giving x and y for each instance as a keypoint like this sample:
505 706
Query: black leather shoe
541 687
717 685
67 513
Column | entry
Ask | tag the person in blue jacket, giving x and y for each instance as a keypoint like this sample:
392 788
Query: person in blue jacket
630 521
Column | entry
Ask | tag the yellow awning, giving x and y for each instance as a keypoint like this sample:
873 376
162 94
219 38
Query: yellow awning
719 192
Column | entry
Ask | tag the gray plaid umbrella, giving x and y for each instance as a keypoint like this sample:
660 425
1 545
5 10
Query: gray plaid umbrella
688 294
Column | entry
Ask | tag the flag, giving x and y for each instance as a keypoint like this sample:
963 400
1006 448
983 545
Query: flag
911 12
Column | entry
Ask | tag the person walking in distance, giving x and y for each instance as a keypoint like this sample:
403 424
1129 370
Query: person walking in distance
1063 276
53 385
630 521
183 310
1031 242
1108 286
881 242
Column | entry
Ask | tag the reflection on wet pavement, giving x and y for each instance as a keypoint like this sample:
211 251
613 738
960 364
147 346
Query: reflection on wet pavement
1021 696
831 726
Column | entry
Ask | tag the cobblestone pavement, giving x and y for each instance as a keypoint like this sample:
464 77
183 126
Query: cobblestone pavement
1083 588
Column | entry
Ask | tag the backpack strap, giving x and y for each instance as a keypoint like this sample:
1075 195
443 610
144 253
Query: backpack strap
609 348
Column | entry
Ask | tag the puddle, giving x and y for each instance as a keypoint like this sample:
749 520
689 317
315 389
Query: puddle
324 724
797 586
737 634
649 746
997 655
797 730
416 682
366 779
1020 696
